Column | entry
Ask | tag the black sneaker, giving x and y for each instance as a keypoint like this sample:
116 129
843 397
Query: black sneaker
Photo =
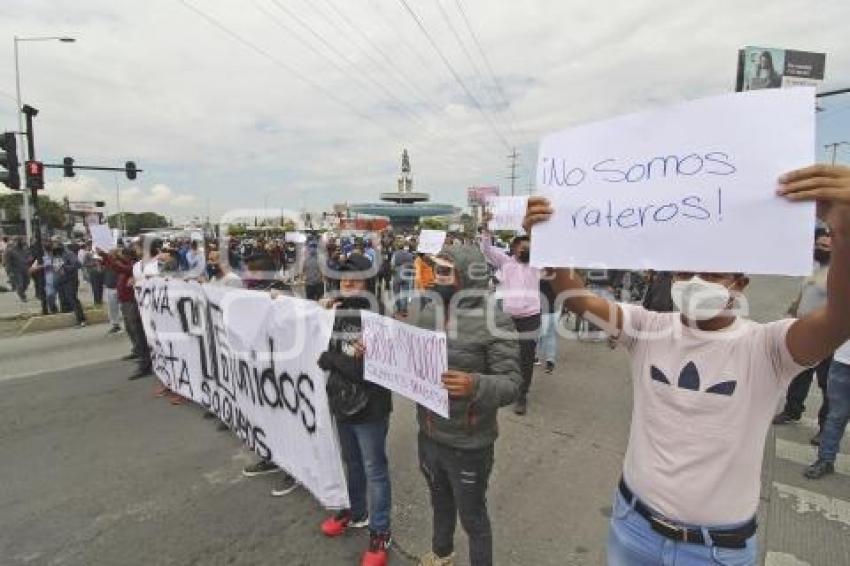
550 367
261 468
114 330
819 469
285 486
785 418
521 406
140 373
815 440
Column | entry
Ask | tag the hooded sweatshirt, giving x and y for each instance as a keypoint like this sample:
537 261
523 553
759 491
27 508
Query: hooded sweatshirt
492 357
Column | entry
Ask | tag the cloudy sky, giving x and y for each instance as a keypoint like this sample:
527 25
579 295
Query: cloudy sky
304 103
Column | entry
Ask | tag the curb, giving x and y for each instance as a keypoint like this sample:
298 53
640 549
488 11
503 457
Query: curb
43 323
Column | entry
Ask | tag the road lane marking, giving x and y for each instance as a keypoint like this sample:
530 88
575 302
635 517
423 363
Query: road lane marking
783 559
805 501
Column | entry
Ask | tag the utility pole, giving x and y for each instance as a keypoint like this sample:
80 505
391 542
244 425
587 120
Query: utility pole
834 147
513 177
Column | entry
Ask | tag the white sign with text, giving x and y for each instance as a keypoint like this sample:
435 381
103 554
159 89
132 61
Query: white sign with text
407 360
686 188
102 237
251 360
506 213
431 241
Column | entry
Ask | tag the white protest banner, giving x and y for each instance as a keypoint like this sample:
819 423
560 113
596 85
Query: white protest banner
102 237
507 213
687 188
431 241
251 360
407 360
296 237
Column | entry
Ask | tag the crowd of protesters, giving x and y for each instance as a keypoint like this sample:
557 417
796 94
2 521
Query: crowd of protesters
706 380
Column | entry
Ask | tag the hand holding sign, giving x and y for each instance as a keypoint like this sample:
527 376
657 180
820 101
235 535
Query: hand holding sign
828 185
459 384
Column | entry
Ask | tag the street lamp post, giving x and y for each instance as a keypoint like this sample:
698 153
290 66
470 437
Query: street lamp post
27 221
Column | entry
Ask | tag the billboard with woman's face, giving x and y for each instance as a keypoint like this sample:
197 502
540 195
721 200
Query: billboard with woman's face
766 67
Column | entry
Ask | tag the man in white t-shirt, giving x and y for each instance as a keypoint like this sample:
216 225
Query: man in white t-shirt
706 384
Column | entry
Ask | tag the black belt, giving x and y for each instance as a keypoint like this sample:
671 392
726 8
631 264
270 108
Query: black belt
724 538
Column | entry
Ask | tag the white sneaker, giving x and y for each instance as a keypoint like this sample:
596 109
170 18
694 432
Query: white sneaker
286 486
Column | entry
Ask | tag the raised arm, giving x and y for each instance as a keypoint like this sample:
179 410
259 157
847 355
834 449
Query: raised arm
494 255
569 285
817 335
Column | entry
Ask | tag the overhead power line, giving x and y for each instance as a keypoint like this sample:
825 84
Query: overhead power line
265 54
475 67
486 59
453 72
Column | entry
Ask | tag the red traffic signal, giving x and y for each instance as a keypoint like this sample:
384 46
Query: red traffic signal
35 175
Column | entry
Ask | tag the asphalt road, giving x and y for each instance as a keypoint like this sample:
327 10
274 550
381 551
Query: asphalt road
97 471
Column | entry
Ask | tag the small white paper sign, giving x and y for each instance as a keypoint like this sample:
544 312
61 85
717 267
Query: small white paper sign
507 213
687 188
407 360
102 237
296 237
431 241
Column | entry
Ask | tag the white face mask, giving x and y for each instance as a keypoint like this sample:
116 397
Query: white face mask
699 299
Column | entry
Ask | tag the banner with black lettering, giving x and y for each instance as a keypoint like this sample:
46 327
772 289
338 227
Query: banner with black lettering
251 360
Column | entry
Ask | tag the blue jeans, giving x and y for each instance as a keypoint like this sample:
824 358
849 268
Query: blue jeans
632 542
838 393
364 450
547 343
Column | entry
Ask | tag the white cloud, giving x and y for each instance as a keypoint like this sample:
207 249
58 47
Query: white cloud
134 198
208 118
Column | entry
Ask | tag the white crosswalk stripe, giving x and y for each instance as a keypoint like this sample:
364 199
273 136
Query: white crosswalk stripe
783 559
805 501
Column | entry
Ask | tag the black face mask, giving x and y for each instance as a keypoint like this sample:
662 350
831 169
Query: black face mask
446 293
213 270
822 256
355 303
523 256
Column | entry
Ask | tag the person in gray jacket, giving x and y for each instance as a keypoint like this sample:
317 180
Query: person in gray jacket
456 454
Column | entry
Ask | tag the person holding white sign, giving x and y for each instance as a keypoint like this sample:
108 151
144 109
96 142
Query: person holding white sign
362 411
519 291
456 454
706 385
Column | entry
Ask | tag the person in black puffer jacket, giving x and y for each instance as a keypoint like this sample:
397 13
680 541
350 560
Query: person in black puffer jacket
362 411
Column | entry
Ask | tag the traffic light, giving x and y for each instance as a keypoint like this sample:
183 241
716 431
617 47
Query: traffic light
68 166
35 175
130 168
9 161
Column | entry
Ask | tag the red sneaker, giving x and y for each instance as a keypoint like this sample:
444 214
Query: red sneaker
377 553
341 522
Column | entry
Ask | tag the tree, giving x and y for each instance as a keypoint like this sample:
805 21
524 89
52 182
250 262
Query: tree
434 223
137 222
52 213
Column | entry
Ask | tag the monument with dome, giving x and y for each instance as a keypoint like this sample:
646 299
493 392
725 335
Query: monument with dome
404 207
